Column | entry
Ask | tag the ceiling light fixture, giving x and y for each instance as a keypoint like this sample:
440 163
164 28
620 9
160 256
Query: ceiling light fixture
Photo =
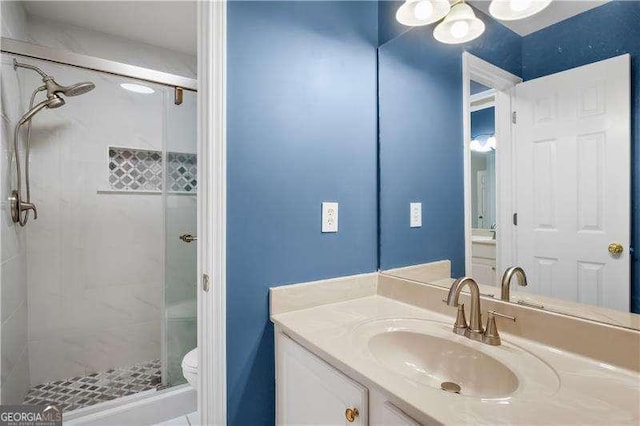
137 88
511 10
482 143
459 26
414 13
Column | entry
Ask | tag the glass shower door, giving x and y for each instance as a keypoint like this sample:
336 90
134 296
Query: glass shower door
180 189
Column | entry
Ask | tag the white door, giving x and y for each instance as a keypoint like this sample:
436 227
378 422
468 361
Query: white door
572 142
311 392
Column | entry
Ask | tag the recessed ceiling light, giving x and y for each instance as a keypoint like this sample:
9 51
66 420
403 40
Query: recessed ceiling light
137 88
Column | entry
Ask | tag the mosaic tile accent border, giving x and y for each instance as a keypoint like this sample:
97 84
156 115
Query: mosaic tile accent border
142 170
182 171
88 390
135 170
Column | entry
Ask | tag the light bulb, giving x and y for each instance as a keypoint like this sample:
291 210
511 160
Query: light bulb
519 5
423 10
459 29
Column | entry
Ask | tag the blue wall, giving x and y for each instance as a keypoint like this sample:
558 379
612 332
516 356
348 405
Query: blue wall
420 119
483 122
388 27
301 130
601 33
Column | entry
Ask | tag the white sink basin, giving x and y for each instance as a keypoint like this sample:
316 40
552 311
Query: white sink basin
432 360
428 353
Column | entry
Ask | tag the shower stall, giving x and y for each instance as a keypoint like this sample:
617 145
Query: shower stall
98 292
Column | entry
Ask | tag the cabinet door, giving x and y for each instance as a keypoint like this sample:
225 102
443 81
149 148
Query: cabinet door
384 413
309 391
394 416
483 273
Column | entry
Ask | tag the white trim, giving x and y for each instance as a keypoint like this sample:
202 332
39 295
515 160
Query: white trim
474 68
21 48
482 100
212 366
505 183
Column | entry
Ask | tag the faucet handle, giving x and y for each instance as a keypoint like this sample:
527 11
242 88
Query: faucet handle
498 314
491 335
460 326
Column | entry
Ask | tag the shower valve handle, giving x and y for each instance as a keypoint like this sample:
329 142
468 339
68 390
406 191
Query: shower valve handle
18 206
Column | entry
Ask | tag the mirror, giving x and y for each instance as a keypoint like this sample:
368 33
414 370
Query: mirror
514 149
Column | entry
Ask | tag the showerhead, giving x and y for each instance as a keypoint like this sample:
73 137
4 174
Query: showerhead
79 88
52 86
74 90
53 101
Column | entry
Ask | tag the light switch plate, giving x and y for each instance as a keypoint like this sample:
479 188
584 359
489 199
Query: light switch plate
329 217
415 215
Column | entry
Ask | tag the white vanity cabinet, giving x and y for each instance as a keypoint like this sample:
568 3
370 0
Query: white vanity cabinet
384 413
483 261
311 392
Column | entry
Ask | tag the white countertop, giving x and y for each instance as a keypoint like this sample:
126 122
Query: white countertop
481 239
589 392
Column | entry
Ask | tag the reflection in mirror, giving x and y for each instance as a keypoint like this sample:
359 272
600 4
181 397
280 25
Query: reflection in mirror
518 145
483 183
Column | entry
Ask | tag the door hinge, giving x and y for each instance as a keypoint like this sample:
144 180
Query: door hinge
515 219
205 282
513 117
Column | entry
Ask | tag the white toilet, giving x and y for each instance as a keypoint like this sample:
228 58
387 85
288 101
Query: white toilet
190 367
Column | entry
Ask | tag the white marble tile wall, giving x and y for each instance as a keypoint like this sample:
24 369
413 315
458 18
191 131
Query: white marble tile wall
17 24
14 20
94 261
14 355
93 43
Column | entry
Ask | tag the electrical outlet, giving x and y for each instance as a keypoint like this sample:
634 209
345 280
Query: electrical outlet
415 215
329 217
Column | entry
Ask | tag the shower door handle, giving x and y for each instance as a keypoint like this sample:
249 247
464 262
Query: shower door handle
188 238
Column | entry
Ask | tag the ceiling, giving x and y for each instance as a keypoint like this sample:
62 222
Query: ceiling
557 11
172 24
168 24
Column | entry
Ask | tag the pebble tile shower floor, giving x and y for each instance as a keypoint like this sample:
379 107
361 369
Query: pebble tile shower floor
83 391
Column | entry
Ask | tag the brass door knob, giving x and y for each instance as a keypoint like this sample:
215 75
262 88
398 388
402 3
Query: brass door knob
351 414
615 248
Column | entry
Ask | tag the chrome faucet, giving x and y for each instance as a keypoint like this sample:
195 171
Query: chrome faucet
474 329
506 280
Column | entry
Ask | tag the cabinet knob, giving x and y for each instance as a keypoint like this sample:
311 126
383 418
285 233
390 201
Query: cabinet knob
351 414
